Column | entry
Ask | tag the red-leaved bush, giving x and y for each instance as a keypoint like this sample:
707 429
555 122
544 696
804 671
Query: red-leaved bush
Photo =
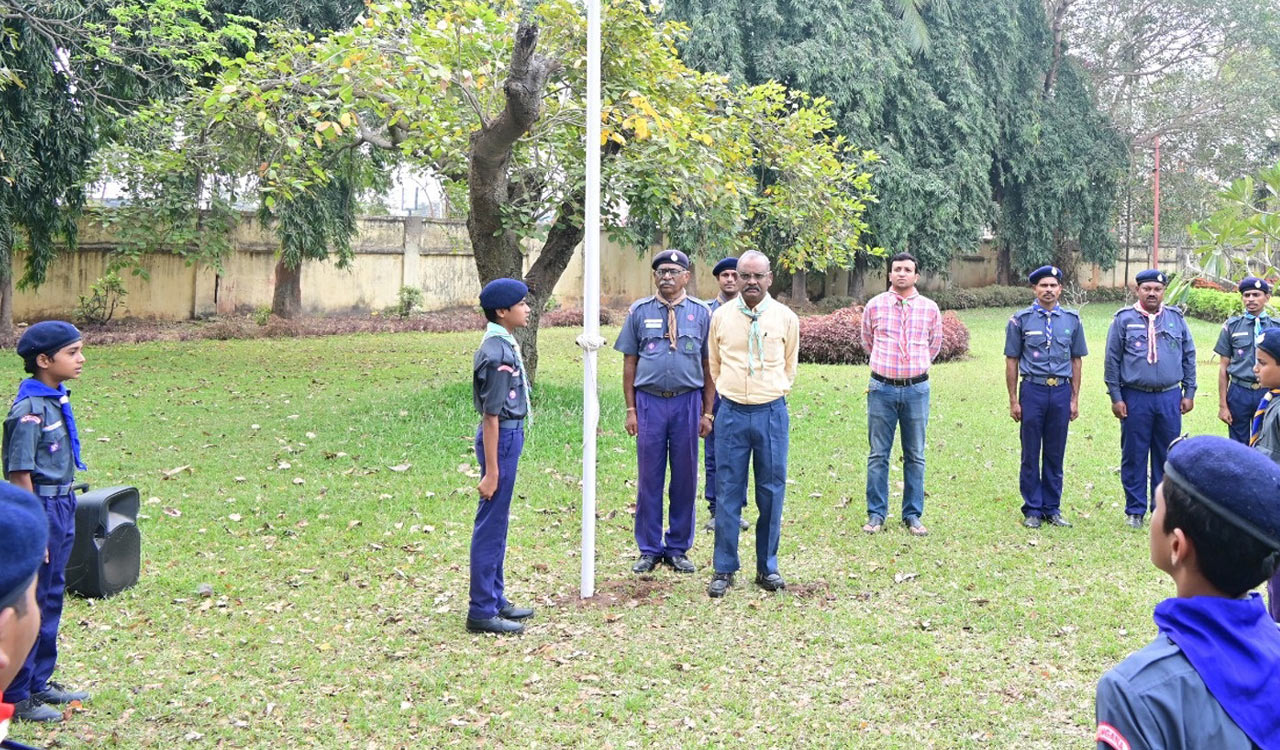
562 317
836 339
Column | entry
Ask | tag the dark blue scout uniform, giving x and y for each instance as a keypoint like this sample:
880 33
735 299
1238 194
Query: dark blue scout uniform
498 387
1045 342
38 438
1151 376
669 380
1236 344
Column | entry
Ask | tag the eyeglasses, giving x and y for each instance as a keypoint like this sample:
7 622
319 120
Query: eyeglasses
667 273
752 276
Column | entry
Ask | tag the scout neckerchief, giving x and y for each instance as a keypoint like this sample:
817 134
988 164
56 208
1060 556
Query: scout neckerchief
495 331
671 314
905 304
1255 430
1257 323
1234 645
755 338
1153 354
1048 319
33 387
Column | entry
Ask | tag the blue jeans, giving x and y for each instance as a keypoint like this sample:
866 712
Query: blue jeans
756 435
888 407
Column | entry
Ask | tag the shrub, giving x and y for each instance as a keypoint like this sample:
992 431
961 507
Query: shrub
407 300
563 317
104 297
1211 305
262 315
983 296
836 338
834 302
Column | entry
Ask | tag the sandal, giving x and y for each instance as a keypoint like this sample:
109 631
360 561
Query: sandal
914 526
873 524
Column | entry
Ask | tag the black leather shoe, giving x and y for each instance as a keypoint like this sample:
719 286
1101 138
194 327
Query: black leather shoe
495 624
720 583
1134 520
59 694
680 563
645 564
742 523
512 612
771 582
32 709
1057 520
1031 522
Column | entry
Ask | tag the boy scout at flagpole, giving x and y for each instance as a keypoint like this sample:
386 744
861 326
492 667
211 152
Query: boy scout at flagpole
1238 389
669 395
1150 372
1043 345
1211 678
726 273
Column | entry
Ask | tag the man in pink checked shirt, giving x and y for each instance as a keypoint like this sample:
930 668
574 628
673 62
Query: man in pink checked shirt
903 332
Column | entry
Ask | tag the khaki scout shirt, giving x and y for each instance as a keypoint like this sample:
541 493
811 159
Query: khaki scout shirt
727 353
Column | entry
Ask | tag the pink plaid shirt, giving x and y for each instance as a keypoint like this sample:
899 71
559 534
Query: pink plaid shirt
902 334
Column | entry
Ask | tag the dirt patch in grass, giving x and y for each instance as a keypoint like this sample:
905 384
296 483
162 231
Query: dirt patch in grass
630 592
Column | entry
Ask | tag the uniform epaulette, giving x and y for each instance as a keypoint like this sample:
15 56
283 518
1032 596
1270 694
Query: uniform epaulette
641 301
702 302
1126 307
1176 309
1073 313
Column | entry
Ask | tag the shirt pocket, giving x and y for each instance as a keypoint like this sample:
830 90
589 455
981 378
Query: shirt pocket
652 347
689 340
53 441
1135 341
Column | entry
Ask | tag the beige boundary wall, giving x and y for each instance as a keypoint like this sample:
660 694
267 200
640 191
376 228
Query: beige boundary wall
390 252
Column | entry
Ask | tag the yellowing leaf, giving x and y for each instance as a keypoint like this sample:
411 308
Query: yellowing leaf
642 129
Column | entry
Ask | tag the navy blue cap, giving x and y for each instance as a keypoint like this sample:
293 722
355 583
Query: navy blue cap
24 535
1152 274
1253 282
1235 482
725 264
674 256
500 294
47 338
1044 272
1269 342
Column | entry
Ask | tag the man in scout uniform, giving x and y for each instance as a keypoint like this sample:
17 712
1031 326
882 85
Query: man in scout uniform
754 352
726 273
669 395
41 455
1264 430
1043 345
1211 677
1150 372
24 537
1238 392
501 396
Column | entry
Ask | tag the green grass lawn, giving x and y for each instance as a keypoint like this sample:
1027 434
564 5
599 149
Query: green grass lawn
328 503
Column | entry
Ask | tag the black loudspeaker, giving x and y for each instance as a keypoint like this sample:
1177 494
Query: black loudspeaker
107 553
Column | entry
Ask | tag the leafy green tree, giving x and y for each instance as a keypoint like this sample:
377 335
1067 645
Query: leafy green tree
491 100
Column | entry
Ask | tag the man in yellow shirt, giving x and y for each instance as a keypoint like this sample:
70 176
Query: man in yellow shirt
753 349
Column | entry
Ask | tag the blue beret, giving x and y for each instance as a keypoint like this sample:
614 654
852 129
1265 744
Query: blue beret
1044 272
47 338
677 257
24 535
1269 342
725 264
1253 282
1235 482
1152 274
500 294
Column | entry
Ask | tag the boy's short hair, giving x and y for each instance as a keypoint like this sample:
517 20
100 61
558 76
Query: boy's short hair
1232 561
29 364
915 265
490 314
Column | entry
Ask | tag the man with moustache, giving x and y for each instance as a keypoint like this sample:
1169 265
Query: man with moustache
1238 389
726 273
753 354
1043 346
1150 372
669 394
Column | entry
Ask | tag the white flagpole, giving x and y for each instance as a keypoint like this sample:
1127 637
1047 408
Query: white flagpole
590 340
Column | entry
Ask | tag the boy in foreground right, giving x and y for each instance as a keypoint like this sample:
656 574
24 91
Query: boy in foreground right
1212 676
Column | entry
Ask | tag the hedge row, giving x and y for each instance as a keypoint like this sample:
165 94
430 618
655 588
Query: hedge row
1211 304
836 338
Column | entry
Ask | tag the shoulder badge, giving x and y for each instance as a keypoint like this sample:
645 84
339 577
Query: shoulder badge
30 419
1111 737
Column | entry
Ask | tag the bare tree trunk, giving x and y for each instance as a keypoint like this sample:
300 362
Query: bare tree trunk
6 309
286 301
1004 264
1056 10
858 277
799 287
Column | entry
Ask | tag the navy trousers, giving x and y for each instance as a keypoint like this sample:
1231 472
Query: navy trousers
1242 403
489 537
755 435
51 585
1046 413
668 430
709 464
1154 421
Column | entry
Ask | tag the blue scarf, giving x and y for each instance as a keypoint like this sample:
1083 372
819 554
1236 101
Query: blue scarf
1048 319
755 339
32 387
1234 646
495 331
